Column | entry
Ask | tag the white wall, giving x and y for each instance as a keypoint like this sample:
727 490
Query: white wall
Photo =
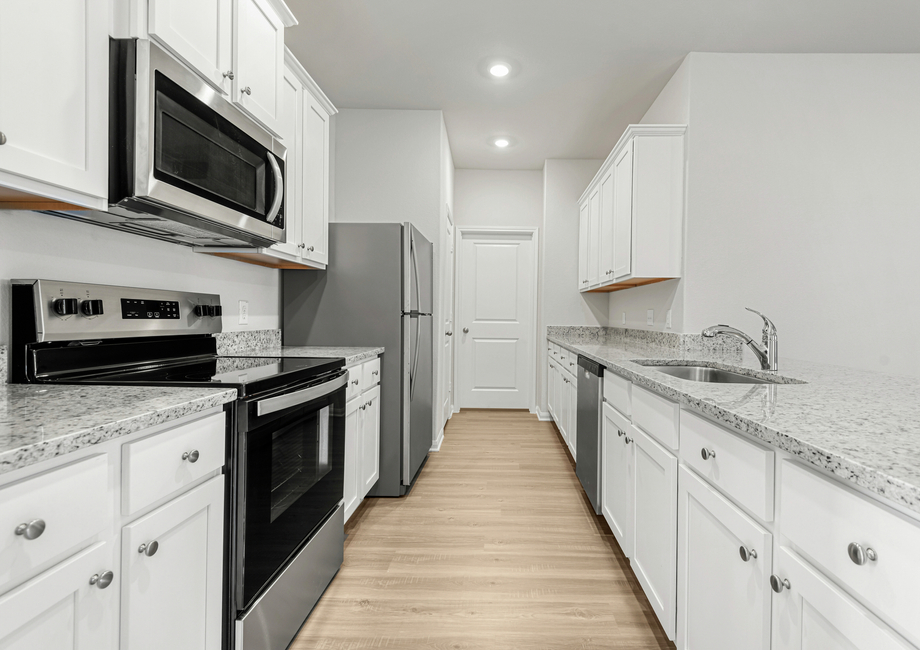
35 245
500 198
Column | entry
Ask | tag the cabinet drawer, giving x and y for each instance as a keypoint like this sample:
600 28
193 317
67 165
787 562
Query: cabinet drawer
823 518
154 467
73 502
371 374
355 382
657 416
741 469
617 392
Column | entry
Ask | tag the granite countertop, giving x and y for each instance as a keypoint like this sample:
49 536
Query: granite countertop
38 422
862 426
352 355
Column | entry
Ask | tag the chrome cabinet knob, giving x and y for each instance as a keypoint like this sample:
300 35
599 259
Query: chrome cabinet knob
229 75
301 245
747 553
149 549
102 580
375 372
466 330
620 433
191 456
363 406
707 453
449 333
627 439
310 249
2 138
247 90
31 530
778 585
861 555
354 382
571 364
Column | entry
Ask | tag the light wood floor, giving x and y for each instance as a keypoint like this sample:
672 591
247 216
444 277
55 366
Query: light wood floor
495 548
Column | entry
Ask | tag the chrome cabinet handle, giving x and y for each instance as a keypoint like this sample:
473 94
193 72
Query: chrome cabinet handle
102 580
747 553
191 456
229 75
707 453
2 138
31 530
149 549
466 330
247 90
861 555
778 585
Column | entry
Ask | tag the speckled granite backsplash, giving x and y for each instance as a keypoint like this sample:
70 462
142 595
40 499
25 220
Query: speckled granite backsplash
235 342
3 371
679 343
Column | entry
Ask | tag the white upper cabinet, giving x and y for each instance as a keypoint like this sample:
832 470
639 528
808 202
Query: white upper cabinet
54 103
197 31
315 160
594 237
258 60
583 219
639 234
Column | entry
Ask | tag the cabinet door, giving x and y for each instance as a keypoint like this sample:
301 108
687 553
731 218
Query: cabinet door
198 32
813 614
258 61
370 440
172 598
617 478
353 424
606 229
655 551
623 211
551 389
54 66
594 236
315 181
61 610
723 601
291 127
583 246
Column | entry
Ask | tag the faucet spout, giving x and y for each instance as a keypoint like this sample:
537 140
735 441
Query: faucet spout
765 352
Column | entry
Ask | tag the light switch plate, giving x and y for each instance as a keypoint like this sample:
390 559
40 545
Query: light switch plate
650 317
244 312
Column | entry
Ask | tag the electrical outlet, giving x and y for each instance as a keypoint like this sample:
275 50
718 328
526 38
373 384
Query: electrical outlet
650 317
624 318
667 320
244 312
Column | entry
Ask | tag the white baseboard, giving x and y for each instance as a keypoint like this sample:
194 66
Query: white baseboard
436 445
544 416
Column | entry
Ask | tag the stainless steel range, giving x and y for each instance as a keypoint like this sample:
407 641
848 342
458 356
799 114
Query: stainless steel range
286 433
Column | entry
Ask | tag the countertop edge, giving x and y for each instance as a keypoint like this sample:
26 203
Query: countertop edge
322 351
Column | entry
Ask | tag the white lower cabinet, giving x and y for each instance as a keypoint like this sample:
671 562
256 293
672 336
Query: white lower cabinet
617 481
172 570
724 565
814 614
370 440
64 608
362 435
352 432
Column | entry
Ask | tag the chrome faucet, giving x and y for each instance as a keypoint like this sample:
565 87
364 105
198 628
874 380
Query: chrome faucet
766 352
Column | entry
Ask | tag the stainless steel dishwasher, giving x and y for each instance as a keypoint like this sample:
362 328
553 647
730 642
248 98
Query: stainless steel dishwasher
588 429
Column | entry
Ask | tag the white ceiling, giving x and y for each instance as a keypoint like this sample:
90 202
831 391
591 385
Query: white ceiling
586 68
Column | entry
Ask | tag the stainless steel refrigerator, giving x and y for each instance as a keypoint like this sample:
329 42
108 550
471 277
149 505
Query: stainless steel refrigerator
376 291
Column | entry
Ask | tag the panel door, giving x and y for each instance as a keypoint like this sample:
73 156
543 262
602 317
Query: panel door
606 264
291 126
583 218
199 32
370 440
723 598
315 181
623 212
172 598
258 61
54 66
497 344
61 610
353 428
655 551
814 614
617 478
594 236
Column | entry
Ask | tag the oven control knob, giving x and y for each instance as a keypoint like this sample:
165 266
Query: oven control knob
201 310
65 306
215 310
91 307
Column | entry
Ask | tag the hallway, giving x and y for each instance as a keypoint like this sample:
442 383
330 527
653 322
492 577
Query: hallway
495 548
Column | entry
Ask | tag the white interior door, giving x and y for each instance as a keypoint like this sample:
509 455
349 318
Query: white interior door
496 350
447 291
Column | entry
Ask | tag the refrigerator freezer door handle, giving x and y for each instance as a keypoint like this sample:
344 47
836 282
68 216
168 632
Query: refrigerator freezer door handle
413 251
412 375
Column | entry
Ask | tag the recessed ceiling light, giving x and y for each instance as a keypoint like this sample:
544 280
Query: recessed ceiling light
499 70
502 143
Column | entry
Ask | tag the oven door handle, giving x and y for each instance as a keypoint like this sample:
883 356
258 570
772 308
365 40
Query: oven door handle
279 189
282 402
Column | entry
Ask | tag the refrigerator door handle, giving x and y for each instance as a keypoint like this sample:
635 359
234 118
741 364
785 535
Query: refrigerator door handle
414 372
413 253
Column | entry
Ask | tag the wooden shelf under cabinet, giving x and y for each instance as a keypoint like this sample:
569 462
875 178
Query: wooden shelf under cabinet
261 257
627 284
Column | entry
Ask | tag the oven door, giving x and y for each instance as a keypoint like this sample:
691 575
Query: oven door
292 467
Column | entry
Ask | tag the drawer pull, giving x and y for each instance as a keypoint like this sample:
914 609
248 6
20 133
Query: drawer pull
31 530
149 549
861 555
778 585
191 456
747 554
707 453
102 580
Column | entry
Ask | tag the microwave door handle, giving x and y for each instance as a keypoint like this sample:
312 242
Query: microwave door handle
279 189
282 402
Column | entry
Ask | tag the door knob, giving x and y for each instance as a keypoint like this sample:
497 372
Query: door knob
2 138
747 554
466 330
707 453
778 585
102 580
149 549
31 530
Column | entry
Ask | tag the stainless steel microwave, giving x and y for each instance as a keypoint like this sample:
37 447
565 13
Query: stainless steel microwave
185 165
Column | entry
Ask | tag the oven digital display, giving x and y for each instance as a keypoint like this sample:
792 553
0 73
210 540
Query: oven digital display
149 309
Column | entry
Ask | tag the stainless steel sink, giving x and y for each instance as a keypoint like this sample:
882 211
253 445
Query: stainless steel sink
710 375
